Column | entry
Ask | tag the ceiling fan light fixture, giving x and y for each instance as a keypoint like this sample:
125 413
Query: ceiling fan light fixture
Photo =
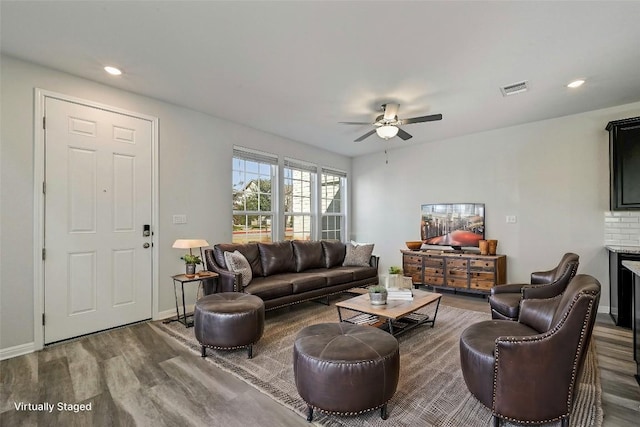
387 131
112 70
576 83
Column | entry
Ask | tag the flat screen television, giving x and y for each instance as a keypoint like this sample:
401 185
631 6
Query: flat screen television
452 224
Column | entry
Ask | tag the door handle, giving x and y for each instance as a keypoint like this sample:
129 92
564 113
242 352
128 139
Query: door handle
146 245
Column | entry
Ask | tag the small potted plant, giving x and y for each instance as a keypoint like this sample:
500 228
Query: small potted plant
377 295
394 273
191 261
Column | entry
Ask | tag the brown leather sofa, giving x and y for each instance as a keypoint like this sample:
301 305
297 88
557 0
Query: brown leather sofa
289 272
505 299
526 371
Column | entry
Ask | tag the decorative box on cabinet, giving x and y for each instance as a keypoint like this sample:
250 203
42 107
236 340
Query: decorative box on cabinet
456 271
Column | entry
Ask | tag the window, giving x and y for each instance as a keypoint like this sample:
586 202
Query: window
298 202
332 184
254 204
299 198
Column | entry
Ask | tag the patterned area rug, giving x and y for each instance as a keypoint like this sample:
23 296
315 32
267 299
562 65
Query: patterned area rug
431 390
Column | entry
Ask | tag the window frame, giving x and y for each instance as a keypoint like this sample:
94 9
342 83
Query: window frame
300 166
261 160
341 215
278 213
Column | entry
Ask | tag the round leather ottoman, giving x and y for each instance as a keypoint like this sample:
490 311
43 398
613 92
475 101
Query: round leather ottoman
345 369
228 320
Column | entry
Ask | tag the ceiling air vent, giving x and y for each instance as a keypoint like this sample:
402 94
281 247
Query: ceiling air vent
514 88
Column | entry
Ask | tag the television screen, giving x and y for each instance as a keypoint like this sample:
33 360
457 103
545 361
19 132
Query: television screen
452 224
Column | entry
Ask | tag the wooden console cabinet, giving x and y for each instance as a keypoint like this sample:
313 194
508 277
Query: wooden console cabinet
461 272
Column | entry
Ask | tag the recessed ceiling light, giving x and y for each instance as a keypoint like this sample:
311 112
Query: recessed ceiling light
113 71
576 83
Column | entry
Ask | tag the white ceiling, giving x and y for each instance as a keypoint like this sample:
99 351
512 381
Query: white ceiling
296 69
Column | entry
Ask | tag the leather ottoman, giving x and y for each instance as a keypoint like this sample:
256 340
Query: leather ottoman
228 320
345 369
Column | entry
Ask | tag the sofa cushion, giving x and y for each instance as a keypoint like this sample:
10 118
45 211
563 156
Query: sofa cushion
249 250
358 255
270 287
334 253
277 258
237 263
360 273
303 282
308 255
334 276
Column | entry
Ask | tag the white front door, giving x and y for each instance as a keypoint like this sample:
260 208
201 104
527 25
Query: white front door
98 198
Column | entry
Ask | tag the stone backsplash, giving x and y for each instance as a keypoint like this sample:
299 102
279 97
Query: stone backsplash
622 228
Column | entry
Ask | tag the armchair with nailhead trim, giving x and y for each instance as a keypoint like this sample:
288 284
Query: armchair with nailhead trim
527 371
505 299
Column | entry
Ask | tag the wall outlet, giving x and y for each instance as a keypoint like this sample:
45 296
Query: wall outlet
180 219
512 219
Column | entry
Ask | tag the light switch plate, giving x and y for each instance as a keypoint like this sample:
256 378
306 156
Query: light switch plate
180 219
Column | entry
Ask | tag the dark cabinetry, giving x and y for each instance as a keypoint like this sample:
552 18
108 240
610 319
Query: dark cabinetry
621 288
624 156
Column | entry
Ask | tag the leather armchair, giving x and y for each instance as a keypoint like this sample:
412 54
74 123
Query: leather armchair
526 371
505 299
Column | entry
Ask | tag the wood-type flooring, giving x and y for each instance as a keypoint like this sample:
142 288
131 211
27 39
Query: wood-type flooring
134 376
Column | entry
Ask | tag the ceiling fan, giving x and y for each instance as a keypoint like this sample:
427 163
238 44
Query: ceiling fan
387 124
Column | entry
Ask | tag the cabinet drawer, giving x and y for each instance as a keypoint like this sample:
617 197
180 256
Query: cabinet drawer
412 259
486 276
484 285
456 272
434 280
433 271
412 268
482 264
457 263
433 262
457 283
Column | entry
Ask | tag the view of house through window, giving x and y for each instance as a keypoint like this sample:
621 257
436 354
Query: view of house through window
299 183
252 181
332 204
312 210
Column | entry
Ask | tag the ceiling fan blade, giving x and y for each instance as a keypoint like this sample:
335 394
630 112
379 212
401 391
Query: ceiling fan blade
391 111
366 135
431 118
404 135
355 123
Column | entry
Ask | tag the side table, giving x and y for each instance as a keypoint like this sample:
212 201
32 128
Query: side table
182 279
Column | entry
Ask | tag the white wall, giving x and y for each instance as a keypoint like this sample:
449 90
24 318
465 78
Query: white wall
553 175
193 148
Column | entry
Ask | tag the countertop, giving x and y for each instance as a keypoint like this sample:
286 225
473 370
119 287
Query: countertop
624 249
634 266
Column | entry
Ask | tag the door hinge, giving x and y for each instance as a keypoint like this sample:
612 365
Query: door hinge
42 319
44 187
44 122
44 254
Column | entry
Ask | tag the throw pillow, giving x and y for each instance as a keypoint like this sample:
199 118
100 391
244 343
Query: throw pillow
358 255
237 263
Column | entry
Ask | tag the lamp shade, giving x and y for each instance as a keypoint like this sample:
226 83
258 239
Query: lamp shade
189 243
387 131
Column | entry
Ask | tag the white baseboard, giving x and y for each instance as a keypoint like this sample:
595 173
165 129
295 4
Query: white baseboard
604 309
18 350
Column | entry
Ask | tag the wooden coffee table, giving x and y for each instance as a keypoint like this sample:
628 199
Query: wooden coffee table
396 316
